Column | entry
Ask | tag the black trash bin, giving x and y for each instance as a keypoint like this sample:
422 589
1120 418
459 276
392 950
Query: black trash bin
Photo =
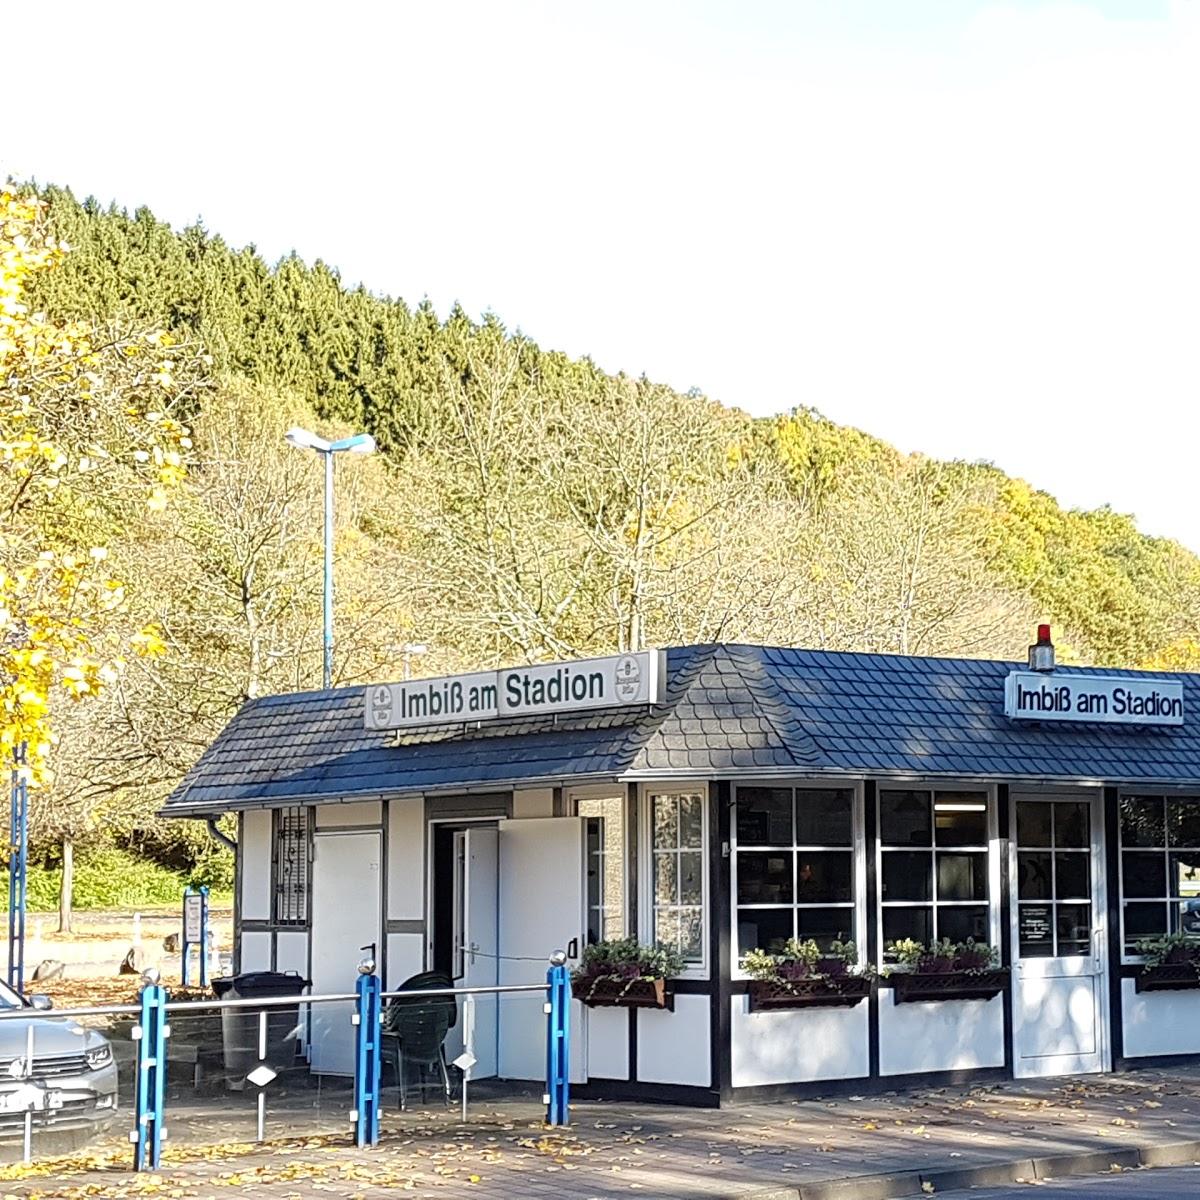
240 1027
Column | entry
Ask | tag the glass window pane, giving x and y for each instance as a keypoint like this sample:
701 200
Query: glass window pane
764 878
1184 873
907 875
1073 876
666 878
1033 823
901 923
691 881
905 819
691 934
825 925
823 877
960 818
763 928
1183 821
1143 920
666 927
1142 821
961 876
764 816
691 822
1035 924
823 818
1143 873
1185 917
664 819
960 924
1072 823
1074 930
1034 881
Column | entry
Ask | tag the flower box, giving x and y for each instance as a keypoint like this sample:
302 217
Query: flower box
824 992
1168 977
914 986
606 991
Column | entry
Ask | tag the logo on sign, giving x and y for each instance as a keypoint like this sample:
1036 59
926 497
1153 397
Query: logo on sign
628 675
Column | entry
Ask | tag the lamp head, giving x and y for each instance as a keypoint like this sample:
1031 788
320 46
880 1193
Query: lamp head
360 443
303 439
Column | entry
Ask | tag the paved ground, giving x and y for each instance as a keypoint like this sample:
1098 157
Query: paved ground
879 1146
1160 1184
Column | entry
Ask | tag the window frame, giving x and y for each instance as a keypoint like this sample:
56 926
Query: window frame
617 791
990 792
1165 850
857 849
645 870
309 816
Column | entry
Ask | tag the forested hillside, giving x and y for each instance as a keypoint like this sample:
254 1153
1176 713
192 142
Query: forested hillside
526 506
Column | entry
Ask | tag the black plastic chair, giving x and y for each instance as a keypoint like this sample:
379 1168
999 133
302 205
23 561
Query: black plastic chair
414 1032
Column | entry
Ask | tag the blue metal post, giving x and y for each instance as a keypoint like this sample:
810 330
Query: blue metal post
204 937
558 1042
18 862
151 1083
366 1058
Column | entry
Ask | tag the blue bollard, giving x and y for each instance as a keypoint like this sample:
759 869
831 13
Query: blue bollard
151 1085
558 1041
367 1018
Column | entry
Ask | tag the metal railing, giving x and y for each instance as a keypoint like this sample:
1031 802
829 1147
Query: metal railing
40 1105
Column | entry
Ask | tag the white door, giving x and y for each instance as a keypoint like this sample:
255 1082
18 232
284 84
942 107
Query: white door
347 909
541 910
1060 981
478 955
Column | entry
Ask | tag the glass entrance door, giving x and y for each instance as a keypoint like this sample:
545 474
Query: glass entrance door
1058 936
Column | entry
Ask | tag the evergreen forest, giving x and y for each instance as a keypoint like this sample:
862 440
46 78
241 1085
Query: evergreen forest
525 506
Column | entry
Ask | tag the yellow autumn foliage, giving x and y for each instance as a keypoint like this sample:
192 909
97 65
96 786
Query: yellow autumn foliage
84 419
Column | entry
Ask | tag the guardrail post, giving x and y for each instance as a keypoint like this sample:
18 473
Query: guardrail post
368 1018
558 1041
150 1036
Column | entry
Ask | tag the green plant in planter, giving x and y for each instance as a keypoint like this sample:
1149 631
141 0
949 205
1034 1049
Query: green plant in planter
944 957
627 960
805 960
1170 949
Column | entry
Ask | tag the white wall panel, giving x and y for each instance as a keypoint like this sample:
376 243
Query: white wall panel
291 951
255 850
406 860
798 1045
405 957
341 816
607 1043
533 802
1160 1022
256 951
939 1035
674 1047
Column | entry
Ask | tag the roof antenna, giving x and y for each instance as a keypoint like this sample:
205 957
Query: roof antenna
1041 653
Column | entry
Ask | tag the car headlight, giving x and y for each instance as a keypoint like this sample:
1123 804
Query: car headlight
99 1056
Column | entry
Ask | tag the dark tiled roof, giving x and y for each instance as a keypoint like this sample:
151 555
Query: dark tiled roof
728 709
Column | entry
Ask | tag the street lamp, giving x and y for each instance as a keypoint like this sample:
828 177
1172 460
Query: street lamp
360 443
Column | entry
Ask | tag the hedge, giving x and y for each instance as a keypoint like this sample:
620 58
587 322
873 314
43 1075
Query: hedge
108 879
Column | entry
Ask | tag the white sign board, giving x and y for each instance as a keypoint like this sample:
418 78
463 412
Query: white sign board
615 682
1109 700
193 917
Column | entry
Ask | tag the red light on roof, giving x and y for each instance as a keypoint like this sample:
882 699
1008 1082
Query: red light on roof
1043 635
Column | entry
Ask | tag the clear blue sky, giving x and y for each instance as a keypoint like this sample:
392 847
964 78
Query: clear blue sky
967 226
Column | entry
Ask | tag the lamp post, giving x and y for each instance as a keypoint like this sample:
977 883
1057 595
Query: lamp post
360 443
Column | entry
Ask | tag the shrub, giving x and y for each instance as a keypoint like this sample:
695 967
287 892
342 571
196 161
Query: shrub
1170 949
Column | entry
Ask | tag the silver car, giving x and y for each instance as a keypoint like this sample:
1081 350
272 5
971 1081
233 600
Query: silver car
68 1082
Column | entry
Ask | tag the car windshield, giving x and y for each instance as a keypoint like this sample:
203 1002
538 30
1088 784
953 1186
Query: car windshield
9 998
